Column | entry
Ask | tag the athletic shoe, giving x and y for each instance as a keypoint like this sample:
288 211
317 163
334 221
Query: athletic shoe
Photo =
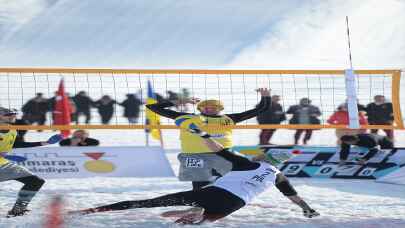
310 213
191 218
17 212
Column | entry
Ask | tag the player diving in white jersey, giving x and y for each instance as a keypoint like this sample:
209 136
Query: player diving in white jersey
226 195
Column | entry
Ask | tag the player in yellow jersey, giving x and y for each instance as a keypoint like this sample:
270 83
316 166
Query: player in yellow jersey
198 163
12 171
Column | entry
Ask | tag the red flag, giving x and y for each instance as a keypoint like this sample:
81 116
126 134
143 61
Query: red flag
63 110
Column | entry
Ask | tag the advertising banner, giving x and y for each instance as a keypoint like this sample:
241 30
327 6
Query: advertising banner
322 162
395 177
78 162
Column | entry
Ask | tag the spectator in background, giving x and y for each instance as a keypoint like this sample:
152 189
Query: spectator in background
362 108
52 104
105 108
80 138
173 98
185 93
83 104
180 100
380 112
184 99
160 98
131 108
73 115
304 113
341 117
371 141
34 111
272 115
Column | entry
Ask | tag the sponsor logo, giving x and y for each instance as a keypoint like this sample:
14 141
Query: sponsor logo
96 165
57 164
50 166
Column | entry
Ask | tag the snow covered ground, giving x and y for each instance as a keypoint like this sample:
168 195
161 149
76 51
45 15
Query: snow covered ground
342 203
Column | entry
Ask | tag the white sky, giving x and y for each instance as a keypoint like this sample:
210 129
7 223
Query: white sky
201 34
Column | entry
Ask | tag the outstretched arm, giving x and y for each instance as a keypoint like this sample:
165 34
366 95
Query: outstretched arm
284 186
162 109
344 151
52 140
264 104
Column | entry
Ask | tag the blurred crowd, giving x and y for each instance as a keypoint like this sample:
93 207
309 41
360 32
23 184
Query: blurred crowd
378 112
35 110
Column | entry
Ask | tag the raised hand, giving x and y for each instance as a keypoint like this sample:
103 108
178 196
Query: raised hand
264 92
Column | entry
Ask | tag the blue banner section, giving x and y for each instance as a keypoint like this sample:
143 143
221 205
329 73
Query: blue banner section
322 162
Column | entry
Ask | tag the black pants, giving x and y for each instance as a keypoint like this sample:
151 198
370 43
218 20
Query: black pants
106 117
86 113
266 135
217 202
297 135
31 183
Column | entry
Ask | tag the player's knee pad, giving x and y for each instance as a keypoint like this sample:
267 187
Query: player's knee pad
284 186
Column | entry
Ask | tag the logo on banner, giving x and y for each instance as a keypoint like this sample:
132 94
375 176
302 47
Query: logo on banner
96 165
55 163
49 163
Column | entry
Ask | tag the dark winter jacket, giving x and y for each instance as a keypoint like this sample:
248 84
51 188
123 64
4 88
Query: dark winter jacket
300 112
105 108
379 114
131 106
273 115
35 108
83 103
